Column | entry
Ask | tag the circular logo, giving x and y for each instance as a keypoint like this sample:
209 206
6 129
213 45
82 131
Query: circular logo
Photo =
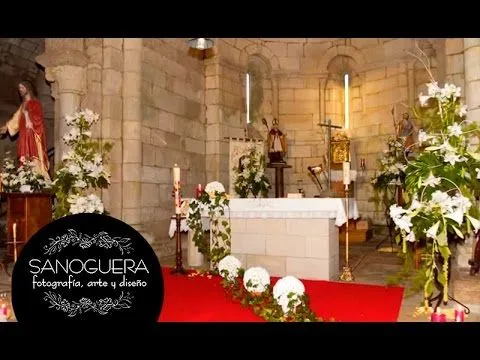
87 267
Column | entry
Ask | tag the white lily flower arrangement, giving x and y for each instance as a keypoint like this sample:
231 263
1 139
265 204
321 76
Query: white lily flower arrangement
82 170
442 183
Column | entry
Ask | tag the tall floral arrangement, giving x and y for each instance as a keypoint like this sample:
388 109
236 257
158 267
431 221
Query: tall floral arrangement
250 177
82 169
391 172
213 201
443 183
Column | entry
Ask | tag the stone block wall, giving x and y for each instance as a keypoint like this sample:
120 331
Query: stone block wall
455 70
172 132
385 77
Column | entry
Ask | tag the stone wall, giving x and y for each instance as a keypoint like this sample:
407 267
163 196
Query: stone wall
172 132
306 87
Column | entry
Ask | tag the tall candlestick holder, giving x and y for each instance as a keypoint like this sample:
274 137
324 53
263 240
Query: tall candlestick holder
347 274
9 258
178 269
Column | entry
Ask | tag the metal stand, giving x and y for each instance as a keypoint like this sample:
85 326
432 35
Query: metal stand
179 269
347 274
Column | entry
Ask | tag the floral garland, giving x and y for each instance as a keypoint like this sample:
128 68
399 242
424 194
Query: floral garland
212 200
82 169
286 301
442 182
250 175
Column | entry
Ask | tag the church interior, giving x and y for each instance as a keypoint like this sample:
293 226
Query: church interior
196 104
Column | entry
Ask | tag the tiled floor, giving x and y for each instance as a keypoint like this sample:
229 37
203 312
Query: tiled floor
368 265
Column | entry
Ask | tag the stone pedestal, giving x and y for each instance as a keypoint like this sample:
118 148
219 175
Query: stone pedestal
279 183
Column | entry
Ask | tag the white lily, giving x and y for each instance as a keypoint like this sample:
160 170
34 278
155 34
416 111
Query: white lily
432 232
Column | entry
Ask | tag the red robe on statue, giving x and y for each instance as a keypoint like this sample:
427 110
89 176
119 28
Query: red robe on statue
31 143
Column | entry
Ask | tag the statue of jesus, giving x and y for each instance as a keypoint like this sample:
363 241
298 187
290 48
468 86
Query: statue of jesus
28 122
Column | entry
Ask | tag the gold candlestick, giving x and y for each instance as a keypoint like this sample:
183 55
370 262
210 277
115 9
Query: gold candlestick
347 274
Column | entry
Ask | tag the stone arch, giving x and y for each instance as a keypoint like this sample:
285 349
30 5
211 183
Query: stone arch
262 51
333 91
259 59
341 50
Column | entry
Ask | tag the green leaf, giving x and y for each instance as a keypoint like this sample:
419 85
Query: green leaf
458 232
442 238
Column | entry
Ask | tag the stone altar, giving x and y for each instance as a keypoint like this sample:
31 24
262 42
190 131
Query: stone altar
287 236
296 237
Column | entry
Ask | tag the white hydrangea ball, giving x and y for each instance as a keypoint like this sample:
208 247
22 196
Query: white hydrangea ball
228 267
213 186
256 279
285 286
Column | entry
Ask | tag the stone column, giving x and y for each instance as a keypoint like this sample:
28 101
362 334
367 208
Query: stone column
214 116
132 132
472 77
106 69
65 66
472 98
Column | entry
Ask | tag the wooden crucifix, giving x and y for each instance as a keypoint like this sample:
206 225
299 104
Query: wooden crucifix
329 126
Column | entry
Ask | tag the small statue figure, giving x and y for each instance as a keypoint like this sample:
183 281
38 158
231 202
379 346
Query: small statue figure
406 129
276 142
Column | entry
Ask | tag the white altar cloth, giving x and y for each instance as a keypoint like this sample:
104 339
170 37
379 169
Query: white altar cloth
330 208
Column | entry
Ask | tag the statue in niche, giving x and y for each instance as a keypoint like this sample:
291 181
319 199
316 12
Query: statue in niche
276 143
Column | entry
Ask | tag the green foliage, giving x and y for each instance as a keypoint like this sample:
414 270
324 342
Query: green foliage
250 177
264 304
409 276
214 204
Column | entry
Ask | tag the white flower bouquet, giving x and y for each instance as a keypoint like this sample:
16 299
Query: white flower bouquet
287 292
228 267
250 177
22 177
256 279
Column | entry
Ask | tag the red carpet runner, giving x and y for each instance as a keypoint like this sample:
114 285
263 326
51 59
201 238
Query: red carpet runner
200 299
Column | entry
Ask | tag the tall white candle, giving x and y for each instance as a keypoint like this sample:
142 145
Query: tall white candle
178 209
346 173
176 177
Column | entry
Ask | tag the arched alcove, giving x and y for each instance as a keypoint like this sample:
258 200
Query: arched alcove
260 89
341 87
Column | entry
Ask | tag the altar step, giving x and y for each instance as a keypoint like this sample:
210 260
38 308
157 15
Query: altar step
359 231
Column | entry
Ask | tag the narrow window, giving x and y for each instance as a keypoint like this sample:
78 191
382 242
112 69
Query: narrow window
346 101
